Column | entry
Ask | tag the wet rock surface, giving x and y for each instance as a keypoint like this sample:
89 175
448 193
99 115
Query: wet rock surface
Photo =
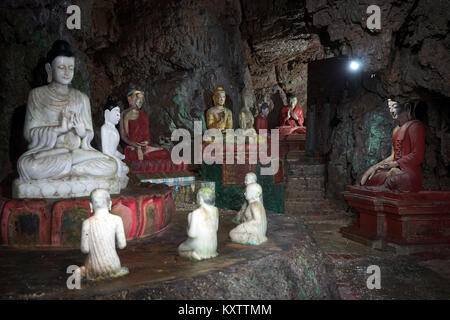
288 266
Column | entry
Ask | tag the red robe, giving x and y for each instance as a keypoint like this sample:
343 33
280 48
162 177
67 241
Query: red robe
139 131
261 123
408 143
289 121
285 121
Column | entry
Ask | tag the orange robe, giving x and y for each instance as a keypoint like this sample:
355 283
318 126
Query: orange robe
408 143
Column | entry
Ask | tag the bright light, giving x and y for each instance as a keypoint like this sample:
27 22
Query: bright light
354 65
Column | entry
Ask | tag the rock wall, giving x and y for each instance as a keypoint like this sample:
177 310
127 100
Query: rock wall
179 51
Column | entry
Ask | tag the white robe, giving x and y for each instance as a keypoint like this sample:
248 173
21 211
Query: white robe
52 155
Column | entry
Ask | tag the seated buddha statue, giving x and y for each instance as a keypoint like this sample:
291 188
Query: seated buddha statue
246 121
219 117
135 131
401 170
291 116
60 161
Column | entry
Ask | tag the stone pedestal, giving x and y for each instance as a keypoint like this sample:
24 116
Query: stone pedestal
409 222
63 188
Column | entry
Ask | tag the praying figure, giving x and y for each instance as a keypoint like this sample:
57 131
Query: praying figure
240 216
219 117
58 127
111 138
261 121
135 131
99 235
203 224
292 116
253 230
246 121
401 170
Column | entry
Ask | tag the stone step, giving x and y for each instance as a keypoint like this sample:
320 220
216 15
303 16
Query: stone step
296 195
306 183
306 170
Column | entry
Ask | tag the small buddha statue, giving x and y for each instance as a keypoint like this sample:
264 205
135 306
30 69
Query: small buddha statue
135 131
261 121
111 138
98 240
219 117
253 230
203 224
292 116
246 121
60 161
240 216
401 170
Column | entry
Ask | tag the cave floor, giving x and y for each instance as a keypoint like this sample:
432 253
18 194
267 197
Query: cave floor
420 276
40 274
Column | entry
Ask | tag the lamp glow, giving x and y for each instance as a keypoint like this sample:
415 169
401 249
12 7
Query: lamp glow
354 65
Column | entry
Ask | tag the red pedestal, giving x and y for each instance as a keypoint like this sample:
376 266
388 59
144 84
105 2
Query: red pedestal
153 166
28 222
291 142
411 220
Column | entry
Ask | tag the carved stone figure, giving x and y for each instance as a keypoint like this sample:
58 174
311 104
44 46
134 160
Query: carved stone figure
219 117
240 216
60 161
253 230
203 224
292 116
111 138
135 131
246 120
261 121
98 240
401 170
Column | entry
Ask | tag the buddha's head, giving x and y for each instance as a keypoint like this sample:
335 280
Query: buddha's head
400 112
219 97
250 178
100 199
112 111
265 109
60 66
253 192
136 98
292 100
206 196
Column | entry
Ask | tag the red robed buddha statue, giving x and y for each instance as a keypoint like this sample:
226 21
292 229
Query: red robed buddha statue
135 131
261 121
291 117
401 170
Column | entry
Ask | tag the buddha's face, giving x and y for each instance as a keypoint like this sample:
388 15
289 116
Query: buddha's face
139 100
265 112
395 109
293 102
62 69
250 178
220 98
113 116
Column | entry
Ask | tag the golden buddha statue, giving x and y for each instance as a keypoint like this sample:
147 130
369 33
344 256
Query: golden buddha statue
219 117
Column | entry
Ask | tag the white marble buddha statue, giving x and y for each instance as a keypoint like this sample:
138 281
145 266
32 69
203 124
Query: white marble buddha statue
203 224
253 230
111 138
60 161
